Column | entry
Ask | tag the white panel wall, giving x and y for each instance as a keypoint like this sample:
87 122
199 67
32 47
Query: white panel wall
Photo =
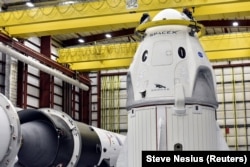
233 87
233 113
58 83
11 79
33 76
58 94
94 101
33 79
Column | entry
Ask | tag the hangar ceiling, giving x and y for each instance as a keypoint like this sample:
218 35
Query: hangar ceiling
90 20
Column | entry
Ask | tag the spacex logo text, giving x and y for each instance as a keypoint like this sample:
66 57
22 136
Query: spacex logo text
171 32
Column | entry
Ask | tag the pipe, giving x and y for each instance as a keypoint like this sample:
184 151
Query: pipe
42 67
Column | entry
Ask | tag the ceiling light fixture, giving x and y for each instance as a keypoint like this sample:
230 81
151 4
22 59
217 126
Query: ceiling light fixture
108 35
30 4
80 40
68 2
235 23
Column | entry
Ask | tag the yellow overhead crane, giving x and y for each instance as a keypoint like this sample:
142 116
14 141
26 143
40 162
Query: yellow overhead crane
104 14
227 46
217 47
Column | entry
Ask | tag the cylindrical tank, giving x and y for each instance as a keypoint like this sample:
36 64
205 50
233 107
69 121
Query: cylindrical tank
52 138
10 132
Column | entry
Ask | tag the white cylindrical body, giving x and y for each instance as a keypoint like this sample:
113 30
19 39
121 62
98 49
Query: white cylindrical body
53 138
10 133
111 145
64 141
5 133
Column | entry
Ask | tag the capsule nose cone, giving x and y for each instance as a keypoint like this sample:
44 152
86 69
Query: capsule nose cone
170 14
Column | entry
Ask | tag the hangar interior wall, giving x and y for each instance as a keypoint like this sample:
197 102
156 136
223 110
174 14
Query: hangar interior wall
29 79
32 75
108 96
233 113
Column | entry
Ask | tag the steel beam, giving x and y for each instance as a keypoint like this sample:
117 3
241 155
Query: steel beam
97 53
227 46
101 65
38 56
22 78
46 81
229 55
74 25
106 14
99 37
131 31
97 9
232 41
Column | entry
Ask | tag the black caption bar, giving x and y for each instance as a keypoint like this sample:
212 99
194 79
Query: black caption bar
195 158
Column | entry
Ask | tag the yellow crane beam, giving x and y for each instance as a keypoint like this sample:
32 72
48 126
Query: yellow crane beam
217 47
97 53
101 15
227 46
98 8
101 65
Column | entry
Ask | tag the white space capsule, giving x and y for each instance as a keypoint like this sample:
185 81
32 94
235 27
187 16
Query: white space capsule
171 90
